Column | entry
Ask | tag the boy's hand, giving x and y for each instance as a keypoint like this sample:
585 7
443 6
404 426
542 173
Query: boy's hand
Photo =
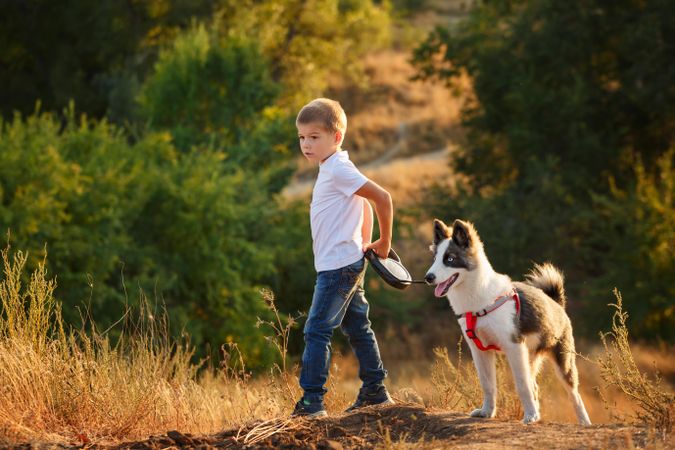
381 247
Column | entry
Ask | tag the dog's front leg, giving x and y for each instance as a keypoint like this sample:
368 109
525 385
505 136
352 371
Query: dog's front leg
485 366
517 355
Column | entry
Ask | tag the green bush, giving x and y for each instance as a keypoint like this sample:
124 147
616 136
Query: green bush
309 42
93 52
122 218
208 92
636 232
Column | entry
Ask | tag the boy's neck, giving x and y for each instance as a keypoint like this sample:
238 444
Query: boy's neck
338 149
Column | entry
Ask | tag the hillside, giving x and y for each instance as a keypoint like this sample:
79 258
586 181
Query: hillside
393 116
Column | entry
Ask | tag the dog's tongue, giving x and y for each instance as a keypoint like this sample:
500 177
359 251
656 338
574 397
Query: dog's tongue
440 288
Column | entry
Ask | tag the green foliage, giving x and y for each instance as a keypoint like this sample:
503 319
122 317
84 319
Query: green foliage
120 219
294 276
307 41
213 88
185 208
208 92
570 82
568 96
100 53
636 231
409 7
93 52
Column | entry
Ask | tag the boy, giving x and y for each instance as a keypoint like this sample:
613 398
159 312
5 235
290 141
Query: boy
341 220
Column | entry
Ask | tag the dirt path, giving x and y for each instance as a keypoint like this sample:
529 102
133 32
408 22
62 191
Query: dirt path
417 426
303 187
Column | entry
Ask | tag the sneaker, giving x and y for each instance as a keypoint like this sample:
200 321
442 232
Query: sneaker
308 408
371 398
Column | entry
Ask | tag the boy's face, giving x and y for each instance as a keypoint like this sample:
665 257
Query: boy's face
316 142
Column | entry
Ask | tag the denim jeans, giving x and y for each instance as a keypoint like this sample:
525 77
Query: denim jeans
339 300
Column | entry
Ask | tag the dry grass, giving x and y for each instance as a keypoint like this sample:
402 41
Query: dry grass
424 116
407 178
76 386
619 370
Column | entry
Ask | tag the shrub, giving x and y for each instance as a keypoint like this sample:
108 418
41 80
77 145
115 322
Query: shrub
180 225
618 369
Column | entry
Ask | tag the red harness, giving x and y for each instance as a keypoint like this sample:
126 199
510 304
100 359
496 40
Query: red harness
472 318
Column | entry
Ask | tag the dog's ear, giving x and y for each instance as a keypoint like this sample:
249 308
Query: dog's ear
461 234
441 231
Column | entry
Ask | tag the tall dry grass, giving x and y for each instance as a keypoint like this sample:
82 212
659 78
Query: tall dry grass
619 369
457 387
63 385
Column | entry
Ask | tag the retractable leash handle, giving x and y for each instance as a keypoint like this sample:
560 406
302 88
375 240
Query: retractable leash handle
391 269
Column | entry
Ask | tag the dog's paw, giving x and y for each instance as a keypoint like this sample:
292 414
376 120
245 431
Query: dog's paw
487 414
531 418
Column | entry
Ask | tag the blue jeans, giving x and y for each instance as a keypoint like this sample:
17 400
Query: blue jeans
339 300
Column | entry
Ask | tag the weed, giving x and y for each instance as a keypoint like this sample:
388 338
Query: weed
618 369
283 382
458 386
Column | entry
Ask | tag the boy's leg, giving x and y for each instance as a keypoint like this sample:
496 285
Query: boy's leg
332 292
356 326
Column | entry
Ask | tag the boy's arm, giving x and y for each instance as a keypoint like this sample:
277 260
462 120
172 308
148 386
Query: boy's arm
385 216
367 227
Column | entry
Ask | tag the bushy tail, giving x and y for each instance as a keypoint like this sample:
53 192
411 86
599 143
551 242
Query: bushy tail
550 280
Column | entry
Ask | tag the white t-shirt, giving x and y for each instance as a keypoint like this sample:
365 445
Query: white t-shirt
336 214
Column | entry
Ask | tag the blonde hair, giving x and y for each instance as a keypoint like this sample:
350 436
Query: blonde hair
326 112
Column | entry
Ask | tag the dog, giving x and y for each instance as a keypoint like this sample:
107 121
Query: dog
525 320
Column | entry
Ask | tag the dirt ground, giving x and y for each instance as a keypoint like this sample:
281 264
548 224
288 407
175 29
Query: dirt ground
407 426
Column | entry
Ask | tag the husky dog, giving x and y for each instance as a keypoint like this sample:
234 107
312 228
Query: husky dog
525 320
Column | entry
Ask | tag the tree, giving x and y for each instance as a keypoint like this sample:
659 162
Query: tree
309 41
207 91
91 52
567 96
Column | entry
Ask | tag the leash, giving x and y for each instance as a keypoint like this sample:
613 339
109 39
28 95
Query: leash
391 269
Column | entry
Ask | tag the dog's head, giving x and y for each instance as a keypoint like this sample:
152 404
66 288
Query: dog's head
456 253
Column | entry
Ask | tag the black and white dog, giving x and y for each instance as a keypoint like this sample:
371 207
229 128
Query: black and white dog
525 320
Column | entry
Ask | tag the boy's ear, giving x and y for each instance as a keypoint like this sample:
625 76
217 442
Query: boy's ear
441 231
338 137
461 234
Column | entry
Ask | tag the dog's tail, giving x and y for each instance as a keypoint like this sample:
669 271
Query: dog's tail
550 280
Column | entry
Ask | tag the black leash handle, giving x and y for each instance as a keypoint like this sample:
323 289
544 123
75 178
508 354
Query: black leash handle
396 282
393 254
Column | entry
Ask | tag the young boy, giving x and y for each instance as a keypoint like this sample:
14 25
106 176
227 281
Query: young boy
341 220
